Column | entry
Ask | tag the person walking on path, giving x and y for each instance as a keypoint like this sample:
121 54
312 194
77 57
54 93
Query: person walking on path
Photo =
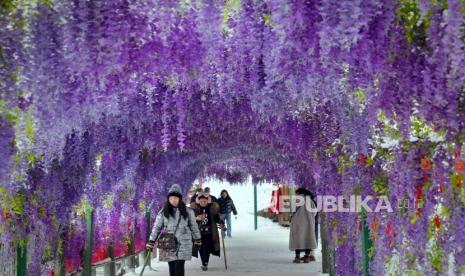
194 196
212 197
176 218
302 230
207 216
226 207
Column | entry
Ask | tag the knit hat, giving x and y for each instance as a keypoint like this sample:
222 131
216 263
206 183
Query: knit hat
175 190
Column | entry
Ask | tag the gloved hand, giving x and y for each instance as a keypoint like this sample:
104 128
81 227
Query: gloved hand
150 245
197 243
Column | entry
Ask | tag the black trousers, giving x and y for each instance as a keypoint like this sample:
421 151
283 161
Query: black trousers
206 248
177 267
307 252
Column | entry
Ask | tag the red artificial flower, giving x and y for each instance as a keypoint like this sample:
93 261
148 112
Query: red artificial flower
459 166
437 222
362 159
419 213
441 188
419 194
456 153
372 227
6 215
425 164
459 183
389 230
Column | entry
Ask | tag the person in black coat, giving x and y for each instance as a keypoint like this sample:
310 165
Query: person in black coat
207 217
212 197
226 207
194 196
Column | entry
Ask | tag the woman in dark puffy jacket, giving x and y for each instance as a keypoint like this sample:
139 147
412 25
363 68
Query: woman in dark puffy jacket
226 207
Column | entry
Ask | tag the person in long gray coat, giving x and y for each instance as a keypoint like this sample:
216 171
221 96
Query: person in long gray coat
174 212
302 232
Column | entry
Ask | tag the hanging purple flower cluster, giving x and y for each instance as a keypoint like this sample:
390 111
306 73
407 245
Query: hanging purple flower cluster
7 148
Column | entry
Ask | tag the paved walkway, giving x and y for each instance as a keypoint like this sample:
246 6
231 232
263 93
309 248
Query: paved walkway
263 252
249 252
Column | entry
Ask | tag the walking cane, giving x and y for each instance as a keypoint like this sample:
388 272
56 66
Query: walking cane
224 249
147 258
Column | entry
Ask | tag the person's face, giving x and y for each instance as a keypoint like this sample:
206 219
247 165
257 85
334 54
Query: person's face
174 201
203 202
224 194
207 190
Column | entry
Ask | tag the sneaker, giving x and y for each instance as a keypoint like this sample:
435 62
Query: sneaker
296 260
204 267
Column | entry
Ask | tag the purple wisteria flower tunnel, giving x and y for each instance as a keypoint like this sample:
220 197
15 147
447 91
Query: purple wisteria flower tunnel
106 103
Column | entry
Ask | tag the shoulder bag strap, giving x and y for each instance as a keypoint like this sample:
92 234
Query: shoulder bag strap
177 244
177 225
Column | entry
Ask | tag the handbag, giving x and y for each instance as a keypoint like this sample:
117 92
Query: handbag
168 240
